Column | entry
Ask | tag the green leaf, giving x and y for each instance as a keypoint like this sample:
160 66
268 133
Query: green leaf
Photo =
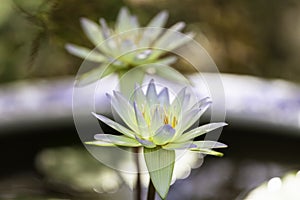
160 164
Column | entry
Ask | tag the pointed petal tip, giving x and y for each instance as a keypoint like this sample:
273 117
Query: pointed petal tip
221 124
164 12
93 113
100 117
151 81
68 45
83 19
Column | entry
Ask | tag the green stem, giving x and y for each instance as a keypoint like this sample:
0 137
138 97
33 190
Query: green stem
151 191
138 181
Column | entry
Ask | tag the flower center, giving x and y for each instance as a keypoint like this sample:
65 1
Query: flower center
170 120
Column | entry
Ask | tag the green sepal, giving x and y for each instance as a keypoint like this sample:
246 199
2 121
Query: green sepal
160 164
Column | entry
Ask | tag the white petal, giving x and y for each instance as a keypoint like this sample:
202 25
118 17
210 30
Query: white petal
123 20
209 144
159 20
92 31
151 94
105 30
119 140
180 146
190 135
156 120
122 106
191 116
115 125
153 29
85 53
139 95
169 36
163 97
142 124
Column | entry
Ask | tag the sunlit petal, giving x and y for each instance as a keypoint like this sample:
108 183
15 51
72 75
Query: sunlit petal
115 125
151 94
190 135
156 120
180 146
124 110
142 124
119 140
192 116
206 144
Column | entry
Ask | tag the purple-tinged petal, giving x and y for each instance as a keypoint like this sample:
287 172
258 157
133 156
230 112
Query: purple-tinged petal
164 134
163 97
145 143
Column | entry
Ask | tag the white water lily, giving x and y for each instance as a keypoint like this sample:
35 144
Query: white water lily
160 127
129 45
155 122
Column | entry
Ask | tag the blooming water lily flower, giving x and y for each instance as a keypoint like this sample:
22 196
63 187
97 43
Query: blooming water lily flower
160 127
129 45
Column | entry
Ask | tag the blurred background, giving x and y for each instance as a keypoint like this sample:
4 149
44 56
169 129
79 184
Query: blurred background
255 44
259 38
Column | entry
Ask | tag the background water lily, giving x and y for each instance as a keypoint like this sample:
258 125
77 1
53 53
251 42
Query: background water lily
129 45
161 127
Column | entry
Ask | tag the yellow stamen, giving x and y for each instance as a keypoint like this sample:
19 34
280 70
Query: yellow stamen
166 119
174 122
